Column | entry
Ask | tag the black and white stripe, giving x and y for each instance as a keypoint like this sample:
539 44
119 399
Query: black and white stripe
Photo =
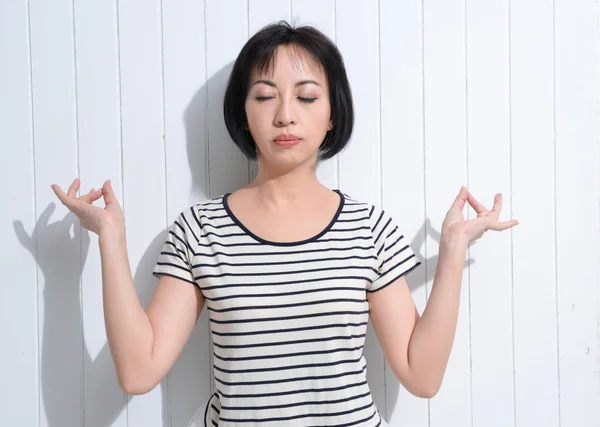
288 320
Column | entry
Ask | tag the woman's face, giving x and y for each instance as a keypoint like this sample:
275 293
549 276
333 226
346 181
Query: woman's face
293 100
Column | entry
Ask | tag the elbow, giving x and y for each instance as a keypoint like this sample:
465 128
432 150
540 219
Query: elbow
134 385
424 388
136 378
133 388
136 388
426 392
427 389
130 386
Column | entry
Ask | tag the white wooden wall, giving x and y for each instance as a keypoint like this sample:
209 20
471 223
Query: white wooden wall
496 95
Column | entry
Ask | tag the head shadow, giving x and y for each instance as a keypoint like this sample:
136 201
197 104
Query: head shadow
72 380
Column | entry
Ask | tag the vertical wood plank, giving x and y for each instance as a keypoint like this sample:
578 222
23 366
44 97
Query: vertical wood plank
140 41
358 41
402 168
226 33
446 170
532 145
265 12
99 136
59 237
577 230
19 390
488 110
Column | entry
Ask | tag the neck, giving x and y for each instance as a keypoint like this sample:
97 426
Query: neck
292 187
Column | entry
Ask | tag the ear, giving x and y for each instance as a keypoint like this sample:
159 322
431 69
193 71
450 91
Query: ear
330 125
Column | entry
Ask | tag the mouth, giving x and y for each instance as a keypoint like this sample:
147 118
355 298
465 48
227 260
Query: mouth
287 140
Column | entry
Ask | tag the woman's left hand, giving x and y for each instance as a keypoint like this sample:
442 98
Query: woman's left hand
455 226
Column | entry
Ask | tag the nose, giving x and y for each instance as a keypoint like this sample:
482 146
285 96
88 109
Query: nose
285 112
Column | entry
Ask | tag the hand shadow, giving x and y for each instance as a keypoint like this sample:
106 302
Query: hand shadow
416 281
61 258
62 374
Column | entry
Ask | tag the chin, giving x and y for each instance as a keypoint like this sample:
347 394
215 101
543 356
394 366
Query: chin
289 161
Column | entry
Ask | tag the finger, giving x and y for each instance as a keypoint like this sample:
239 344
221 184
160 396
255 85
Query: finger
461 199
88 194
109 194
479 208
501 226
72 192
91 196
96 194
70 202
60 193
497 203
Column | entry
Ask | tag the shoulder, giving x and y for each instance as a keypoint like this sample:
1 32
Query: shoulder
193 218
204 206
381 224
372 212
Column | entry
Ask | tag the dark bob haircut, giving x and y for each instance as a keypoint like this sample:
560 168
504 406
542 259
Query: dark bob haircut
259 54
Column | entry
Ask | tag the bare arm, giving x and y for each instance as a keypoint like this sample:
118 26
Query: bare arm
418 348
144 343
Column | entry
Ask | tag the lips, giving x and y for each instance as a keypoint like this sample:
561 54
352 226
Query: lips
287 142
287 139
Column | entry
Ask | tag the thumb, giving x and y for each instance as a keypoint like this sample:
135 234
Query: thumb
108 193
461 199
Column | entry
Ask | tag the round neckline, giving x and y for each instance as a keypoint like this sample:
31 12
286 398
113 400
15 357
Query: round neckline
299 242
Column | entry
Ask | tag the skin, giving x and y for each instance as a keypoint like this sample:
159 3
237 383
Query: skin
286 192
146 343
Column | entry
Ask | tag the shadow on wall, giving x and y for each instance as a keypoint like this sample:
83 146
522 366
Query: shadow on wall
187 386
416 281
63 323
182 395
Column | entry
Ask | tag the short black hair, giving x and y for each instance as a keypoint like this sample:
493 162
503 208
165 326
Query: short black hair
259 54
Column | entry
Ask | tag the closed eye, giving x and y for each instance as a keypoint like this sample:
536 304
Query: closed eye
305 100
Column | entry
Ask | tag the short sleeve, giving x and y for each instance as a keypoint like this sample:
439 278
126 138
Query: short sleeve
178 249
395 257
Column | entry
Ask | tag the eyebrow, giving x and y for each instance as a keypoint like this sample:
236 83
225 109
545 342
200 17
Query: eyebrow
300 83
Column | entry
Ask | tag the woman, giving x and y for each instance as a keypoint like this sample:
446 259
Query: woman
289 269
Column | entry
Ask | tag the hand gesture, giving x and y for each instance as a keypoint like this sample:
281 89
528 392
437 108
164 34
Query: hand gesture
455 225
93 218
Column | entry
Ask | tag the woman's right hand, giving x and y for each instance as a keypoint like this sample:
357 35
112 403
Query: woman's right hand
93 218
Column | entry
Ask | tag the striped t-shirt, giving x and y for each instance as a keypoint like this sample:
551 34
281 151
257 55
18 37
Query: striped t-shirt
288 319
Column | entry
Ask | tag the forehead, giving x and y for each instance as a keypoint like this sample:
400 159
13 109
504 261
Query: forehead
288 63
